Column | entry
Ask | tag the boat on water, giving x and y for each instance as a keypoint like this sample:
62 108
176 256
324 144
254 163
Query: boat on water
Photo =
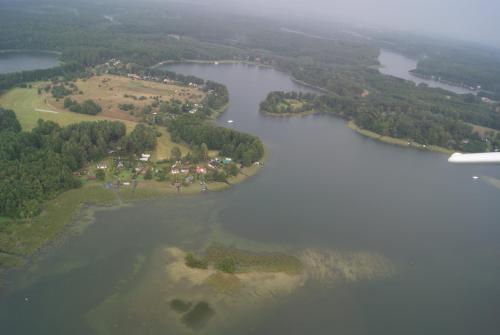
230 121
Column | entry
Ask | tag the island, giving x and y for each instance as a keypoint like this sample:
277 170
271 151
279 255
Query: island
220 285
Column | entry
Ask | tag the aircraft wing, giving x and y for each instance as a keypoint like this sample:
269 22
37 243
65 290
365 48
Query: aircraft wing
480 158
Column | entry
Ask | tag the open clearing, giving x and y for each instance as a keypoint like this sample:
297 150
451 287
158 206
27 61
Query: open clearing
109 91
483 130
29 107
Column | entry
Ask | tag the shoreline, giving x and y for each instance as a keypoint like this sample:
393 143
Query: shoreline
59 53
287 115
216 113
303 83
367 133
211 62
32 236
398 141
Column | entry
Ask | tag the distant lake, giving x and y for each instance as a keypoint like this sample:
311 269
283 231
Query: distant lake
16 61
397 65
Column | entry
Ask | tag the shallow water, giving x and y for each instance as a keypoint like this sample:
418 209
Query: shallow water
16 61
325 190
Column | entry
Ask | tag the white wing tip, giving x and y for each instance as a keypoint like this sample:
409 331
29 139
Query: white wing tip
479 158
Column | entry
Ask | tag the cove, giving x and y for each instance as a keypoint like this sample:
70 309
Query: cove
397 65
16 61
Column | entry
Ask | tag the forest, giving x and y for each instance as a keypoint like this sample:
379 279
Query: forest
340 65
241 147
458 63
38 165
412 120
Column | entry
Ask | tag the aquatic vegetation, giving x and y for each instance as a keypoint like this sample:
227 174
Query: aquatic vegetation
194 262
227 265
139 263
247 261
240 288
224 282
199 316
492 181
329 266
180 306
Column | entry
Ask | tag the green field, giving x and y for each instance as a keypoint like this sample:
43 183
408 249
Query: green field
25 102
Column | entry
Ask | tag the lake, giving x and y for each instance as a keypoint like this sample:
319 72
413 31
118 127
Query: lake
397 65
409 243
16 61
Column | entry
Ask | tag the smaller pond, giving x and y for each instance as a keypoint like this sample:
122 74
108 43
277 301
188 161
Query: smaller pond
16 61
397 65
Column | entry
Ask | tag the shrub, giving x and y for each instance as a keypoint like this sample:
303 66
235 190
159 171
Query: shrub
193 262
100 174
227 265
148 175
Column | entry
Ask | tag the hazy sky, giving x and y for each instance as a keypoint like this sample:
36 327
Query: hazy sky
476 20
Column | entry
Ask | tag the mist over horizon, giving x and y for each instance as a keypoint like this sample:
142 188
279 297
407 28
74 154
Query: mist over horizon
467 20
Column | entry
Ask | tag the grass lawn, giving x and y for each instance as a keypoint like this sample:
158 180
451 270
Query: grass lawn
165 145
483 130
25 102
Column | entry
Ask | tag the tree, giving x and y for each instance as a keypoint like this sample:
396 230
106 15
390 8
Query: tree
161 175
175 153
100 175
232 169
142 138
194 262
38 165
203 152
148 175
8 121
90 107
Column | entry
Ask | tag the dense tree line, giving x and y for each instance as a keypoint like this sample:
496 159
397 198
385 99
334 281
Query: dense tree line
239 146
218 95
456 62
326 59
38 165
411 120
89 106
10 80
288 102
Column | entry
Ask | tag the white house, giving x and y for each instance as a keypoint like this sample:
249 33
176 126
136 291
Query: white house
145 157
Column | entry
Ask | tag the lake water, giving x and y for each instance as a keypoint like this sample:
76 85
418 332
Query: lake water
399 66
16 61
324 188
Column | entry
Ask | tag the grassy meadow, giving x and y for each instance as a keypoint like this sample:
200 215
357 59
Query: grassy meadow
29 106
